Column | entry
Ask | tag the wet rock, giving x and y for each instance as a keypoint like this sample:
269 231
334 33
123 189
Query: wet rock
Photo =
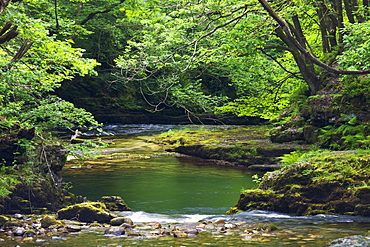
115 203
73 228
219 221
86 212
3 220
30 233
127 226
18 216
13 223
121 220
179 234
47 221
265 227
115 230
157 225
95 224
356 240
19 231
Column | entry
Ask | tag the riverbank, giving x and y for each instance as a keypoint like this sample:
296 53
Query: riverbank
308 183
247 146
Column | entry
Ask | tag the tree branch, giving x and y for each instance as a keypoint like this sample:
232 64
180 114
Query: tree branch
313 59
12 33
281 66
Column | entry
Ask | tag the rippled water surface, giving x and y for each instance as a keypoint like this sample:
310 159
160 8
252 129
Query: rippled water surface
183 190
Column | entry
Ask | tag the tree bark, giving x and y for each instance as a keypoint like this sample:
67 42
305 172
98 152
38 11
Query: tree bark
302 57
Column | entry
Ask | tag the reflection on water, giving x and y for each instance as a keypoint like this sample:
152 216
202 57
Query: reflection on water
165 184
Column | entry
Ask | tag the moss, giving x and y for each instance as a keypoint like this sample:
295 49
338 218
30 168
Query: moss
86 212
47 221
3 220
234 210
337 183
245 145
265 227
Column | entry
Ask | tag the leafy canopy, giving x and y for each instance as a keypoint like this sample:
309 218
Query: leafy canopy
28 82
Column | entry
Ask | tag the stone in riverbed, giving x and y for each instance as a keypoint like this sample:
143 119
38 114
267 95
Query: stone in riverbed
115 203
115 230
121 220
86 212
19 231
47 221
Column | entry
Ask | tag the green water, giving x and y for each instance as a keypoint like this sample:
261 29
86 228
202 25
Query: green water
170 189
164 184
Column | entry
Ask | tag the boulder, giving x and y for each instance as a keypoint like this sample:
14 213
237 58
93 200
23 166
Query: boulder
86 212
121 220
3 220
115 203
115 230
47 221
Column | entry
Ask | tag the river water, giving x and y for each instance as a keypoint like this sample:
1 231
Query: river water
179 189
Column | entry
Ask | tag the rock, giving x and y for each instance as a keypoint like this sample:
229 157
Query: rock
219 221
3 220
115 230
12 224
73 228
264 227
326 183
357 240
157 225
18 216
47 221
19 231
121 220
95 224
127 226
179 234
30 233
86 212
115 203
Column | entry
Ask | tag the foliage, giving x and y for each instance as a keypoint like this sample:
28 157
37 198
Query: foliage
172 65
28 82
357 54
7 181
299 156
345 136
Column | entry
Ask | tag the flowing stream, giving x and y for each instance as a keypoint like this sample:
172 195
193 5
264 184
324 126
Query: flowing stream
179 189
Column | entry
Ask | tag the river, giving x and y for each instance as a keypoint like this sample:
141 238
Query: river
177 189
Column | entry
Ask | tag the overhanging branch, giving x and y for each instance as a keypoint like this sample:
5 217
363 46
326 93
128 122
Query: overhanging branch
313 59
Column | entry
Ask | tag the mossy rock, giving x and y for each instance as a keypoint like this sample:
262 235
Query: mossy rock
47 221
86 212
13 223
115 203
3 220
328 183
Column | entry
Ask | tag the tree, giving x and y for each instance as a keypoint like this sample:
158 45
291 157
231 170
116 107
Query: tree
33 64
176 38
331 23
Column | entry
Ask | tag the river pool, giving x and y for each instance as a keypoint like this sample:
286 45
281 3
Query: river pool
175 189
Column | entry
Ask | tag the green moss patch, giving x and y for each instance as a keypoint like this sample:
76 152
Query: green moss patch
329 182
86 212
240 145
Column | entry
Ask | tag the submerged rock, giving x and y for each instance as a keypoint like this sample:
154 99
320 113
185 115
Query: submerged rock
356 240
115 230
